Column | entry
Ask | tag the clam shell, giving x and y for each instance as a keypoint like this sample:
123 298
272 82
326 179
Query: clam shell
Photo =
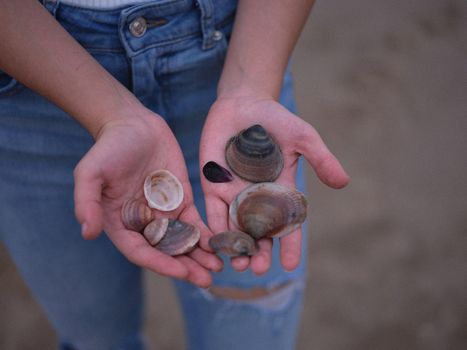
268 210
156 230
179 238
254 155
163 190
136 214
233 243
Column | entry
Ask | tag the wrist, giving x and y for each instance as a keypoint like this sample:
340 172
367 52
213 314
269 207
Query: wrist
237 83
133 116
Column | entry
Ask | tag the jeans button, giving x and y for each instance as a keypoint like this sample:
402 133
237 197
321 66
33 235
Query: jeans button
138 27
217 35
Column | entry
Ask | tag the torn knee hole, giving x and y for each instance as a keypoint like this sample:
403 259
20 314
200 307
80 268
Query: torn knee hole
246 293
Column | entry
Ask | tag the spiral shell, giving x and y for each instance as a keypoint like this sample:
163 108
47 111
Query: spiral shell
268 210
254 155
163 190
178 237
233 243
136 214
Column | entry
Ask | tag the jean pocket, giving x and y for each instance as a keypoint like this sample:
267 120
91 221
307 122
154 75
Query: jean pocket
8 85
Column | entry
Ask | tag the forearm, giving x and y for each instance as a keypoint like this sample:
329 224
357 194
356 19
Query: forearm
264 35
38 52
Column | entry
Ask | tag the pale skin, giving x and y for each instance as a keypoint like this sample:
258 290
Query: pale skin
139 141
265 33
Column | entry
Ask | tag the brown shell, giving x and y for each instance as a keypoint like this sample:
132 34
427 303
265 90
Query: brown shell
179 238
268 210
254 155
163 190
233 243
136 214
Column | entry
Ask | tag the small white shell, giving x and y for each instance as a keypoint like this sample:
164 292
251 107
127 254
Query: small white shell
163 190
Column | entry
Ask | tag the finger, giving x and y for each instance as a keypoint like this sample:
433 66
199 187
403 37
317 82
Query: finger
196 273
325 164
207 260
138 251
290 250
240 263
87 197
261 262
218 214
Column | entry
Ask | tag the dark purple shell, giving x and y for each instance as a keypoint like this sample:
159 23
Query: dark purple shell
254 155
213 172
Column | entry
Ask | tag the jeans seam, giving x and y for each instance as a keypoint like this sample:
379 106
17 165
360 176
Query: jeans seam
163 43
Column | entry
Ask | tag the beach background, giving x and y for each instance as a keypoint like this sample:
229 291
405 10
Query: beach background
385 84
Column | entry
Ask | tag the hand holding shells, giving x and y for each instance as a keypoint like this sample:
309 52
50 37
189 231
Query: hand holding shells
259 141
114 171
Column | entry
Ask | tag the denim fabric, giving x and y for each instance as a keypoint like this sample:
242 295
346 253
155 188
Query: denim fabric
90 292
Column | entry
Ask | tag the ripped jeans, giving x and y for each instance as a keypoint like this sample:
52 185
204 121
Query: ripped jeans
89 291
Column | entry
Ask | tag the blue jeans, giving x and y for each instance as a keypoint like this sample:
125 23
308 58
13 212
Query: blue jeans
90 292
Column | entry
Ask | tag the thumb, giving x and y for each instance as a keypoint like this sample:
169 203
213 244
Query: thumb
325 164
87 196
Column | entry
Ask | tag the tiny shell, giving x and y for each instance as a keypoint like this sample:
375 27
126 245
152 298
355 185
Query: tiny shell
268 210
180 238
213 172
233 243
136 214
254 155
163 190
156 230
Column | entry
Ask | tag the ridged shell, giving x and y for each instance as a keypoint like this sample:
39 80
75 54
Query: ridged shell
136 214
268 210
254 155
163 190
179 238
233 243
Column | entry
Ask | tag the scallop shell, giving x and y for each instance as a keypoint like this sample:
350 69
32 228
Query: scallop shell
178 237
163 190
268 210
136 214
254 155
233 243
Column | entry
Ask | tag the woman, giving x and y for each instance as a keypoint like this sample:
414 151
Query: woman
147 81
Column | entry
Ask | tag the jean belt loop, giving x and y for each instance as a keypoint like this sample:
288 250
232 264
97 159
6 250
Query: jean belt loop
51 6
207 22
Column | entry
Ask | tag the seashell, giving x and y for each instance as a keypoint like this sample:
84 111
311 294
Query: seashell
215 173
156 230
163 190
254 155
178 237
268 210
233 243
136 214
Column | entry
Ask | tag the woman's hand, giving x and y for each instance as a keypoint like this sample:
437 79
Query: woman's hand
226 118
113 170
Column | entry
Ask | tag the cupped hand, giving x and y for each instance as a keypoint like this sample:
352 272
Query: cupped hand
113 170
296 137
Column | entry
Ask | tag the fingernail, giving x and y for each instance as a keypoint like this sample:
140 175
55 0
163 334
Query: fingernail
84 229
